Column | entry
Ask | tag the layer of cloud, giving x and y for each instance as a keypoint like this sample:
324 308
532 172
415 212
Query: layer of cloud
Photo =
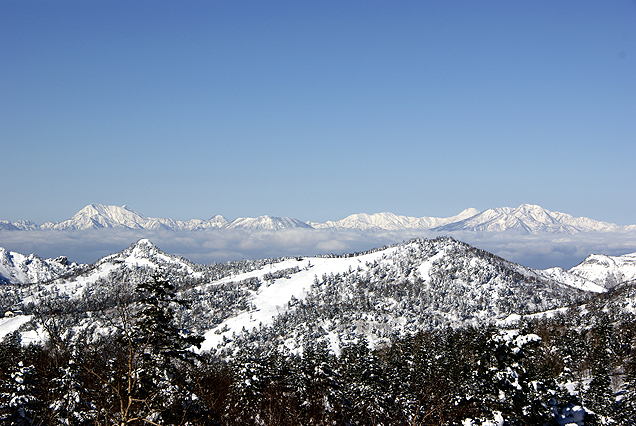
208 246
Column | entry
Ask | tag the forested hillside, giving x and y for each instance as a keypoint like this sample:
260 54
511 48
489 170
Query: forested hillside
428 332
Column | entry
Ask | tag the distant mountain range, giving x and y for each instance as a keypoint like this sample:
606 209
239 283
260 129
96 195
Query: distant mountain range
527 218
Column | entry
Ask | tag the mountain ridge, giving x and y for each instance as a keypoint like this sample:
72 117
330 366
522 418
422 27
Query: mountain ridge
527 218
596 273
343 306
407 286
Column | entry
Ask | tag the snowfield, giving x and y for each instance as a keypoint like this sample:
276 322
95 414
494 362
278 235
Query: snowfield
271 300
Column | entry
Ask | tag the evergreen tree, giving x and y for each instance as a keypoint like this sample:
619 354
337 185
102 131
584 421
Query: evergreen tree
365 387
18 404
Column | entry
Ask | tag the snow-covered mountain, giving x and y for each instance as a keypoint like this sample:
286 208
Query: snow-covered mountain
21 225
529 219
598 272
96 216
16 268
262 314
391 222
266 222
607 271
39 278
387 292
526 218
380 293
571 278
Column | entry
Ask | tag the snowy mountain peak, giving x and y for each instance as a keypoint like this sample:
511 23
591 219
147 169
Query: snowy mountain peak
466 213
527 218
267 222
96 216
144 242
143 254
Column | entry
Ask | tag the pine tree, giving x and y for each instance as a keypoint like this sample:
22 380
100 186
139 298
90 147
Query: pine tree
134 372
364 383
250 379
18 405
599 397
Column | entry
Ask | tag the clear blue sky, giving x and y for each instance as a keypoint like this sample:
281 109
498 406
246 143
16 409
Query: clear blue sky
317 109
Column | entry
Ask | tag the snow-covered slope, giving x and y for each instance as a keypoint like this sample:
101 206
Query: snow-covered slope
96 216
573 280
607 271
144 253
390 221
394 290
381 293
134 264
16 268
530 219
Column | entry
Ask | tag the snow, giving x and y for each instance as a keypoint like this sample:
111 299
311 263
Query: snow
270 301
498 421
528 218
572 279
391 222
10 267
267 222
515 318
426 266
96 216
9 325
599 268
531 219
571 416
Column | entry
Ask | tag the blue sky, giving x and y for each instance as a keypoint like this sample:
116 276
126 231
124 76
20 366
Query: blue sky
318 109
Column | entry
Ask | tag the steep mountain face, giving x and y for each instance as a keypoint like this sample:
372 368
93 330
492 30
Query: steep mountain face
529 219
607 271
391 222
